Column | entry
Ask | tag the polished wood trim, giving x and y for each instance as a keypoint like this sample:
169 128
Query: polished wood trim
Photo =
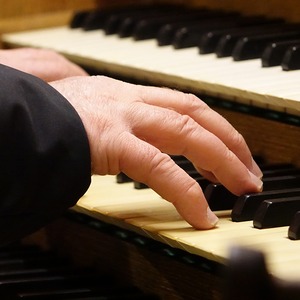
149 269
273 140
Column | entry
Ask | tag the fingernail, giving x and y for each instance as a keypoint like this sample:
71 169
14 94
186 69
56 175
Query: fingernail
256 170
212 218
257 181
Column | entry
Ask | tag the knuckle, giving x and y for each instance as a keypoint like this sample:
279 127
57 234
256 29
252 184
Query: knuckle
237 140
190 189
158 163
187 126
218 163
229 155
194 105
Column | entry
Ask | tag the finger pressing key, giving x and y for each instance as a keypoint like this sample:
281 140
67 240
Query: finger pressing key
145 163
189 104
178 134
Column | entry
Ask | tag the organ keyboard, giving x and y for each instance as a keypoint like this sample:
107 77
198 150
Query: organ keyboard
145 213
243 81
262 103
28 272
239 81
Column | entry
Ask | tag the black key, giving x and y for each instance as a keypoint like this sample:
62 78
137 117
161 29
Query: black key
30 251
250 47
291 59
35 271
245 206
294 228
189 36
149 28
67 282
281 170
219 198
114 21
274 53
116 18
265 167
209 41
95 20
166 33
226 44
228 41
281 182
43 259
193 173
13 270
54 281
79 19
123 178
139 185
277 212
129 24
84 292
99 19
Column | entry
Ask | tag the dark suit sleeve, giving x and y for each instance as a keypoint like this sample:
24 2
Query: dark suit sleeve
44 154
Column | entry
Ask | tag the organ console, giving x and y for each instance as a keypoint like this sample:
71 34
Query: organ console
132 231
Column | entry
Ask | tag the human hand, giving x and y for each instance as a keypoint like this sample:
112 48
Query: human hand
45 64
131 127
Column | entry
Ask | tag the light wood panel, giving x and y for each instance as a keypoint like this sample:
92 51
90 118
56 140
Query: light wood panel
288 9
17 15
